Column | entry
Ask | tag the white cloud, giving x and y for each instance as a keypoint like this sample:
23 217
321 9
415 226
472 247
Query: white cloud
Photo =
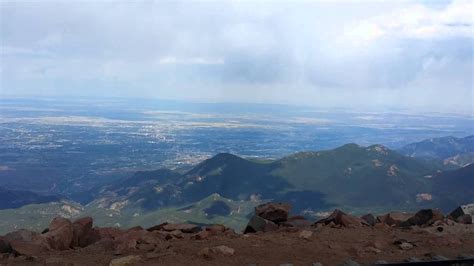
171 60
419 22
325 53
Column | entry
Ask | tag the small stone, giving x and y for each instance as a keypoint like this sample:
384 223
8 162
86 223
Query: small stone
123 261
203 235
177 234
381 262
466 256
154 255
185 228
406 246
216 228
439 258
373 250
30 258
317 264
146 247
204 253
305 234
413 259
224 250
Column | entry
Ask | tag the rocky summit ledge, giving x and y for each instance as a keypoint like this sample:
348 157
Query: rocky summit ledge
272 237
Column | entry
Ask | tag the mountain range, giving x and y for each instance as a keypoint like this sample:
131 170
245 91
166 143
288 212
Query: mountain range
450 150
225 188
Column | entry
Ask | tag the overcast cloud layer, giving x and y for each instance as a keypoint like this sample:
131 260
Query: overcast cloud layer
394 54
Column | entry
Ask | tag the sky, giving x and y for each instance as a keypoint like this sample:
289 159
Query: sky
351 54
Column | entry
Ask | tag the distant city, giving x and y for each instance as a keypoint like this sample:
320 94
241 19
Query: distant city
70 146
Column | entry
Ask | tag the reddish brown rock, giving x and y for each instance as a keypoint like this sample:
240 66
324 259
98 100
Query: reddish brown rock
204 253
297 221
28 243
151 238
103 245
216 229
229 232
446 241
4 245
212 230
424 217
464 219
109 232
128 260
394 218
82 230
339 218
203 235
369 219
185 228
60 233
275 212
157 227
135 228
130 239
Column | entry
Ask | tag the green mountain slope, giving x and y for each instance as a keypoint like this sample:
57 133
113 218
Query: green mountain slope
350 175
225 188
37 216
357 176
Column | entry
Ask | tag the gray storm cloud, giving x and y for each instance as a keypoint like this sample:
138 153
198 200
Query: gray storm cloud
328 54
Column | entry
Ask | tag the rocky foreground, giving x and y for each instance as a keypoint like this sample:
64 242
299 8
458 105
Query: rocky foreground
271 238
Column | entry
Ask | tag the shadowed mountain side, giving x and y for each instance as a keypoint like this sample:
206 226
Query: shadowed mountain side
11 199
232 177
454 188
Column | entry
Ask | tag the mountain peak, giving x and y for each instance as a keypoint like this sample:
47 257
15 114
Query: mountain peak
225 157
378 148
